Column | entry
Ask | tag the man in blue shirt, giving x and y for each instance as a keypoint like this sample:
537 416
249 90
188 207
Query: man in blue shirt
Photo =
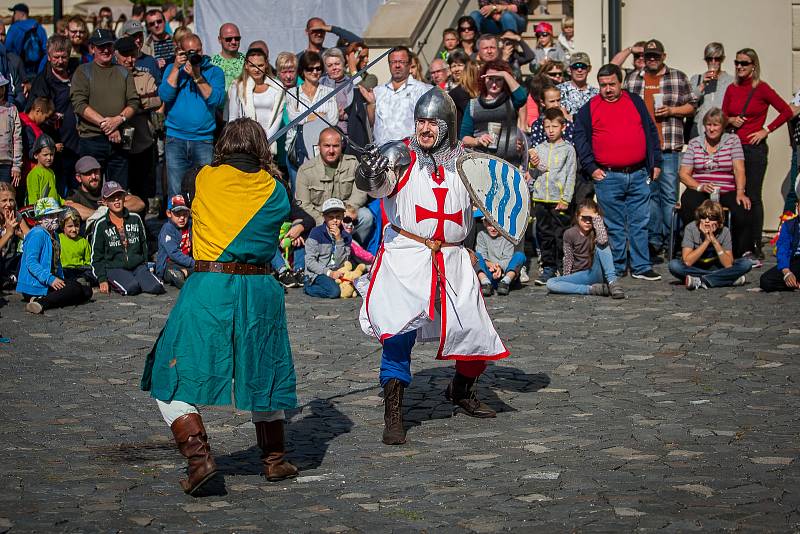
192 89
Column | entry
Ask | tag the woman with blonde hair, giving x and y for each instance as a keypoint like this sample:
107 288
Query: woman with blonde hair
746 103
254 95
468 81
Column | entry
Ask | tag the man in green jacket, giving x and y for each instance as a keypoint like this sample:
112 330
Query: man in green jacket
119 248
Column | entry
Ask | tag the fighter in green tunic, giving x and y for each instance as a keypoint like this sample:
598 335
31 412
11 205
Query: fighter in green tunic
229 323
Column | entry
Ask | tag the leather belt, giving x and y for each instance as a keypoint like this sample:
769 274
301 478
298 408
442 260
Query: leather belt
626 170
202 266
433 244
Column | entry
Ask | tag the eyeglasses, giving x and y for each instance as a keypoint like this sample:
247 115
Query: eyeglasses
586 218
466 29
349 220
232 38
555 74
316 31
155 22
638 55
437 71
313 69
398 62
709 59
709 218
652 57
742 63
542 34
579 66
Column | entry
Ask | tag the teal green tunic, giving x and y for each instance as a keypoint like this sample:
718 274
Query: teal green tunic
224 327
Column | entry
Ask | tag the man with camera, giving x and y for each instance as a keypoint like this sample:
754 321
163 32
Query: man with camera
192 89
104 97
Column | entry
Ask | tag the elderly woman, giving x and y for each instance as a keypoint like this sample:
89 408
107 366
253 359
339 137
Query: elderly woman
286 70
352 105
229 320
490 121
713 164
706 256
709 87
255 96
746 104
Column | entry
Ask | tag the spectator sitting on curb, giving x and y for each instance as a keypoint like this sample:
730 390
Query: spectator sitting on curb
784 276
327 248
86 199
76 252
174 262
499 260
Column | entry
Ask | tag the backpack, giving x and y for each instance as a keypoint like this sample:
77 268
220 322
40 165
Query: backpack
32 47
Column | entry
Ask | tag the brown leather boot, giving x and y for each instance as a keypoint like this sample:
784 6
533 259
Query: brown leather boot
393 431
461 392
190 435
270 440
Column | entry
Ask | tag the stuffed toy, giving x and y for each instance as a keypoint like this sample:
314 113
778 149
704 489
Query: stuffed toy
346 281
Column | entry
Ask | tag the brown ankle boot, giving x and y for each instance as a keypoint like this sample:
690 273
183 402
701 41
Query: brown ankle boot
270 440
393 431
190 435
461 392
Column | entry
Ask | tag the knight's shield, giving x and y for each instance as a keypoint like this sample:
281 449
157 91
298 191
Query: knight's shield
499 190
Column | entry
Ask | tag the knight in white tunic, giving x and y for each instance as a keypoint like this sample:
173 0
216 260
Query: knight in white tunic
423 285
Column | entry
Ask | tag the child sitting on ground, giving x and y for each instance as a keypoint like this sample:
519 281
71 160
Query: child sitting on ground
499 260
41 278
359 253
119 248
588 262
174 262
41 181
327 248
12 230
76 253
555 165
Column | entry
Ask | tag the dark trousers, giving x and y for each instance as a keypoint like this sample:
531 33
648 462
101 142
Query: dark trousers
584 188
142 173
139 280
110 156
64 167
550 226
72 294
74 273
755 167
741 224
772 280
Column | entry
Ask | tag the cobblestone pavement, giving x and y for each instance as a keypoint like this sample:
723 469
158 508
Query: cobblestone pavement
671 410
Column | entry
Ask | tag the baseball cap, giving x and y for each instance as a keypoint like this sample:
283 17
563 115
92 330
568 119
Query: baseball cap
126 46
101 36
111 188
332 204
177 203
86 164
46 206
543 27
654 45
20 7
580 57
132 27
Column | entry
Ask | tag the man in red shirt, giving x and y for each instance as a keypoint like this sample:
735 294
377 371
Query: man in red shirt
617 143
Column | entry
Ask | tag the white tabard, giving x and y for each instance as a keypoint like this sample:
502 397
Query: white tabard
439 293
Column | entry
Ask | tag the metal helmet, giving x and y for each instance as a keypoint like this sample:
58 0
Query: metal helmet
436 104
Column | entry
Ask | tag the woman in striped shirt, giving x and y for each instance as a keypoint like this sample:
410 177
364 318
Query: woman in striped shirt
713 166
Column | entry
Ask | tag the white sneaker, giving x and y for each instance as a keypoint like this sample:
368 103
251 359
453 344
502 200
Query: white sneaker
742 280
693 282
523 275
33 307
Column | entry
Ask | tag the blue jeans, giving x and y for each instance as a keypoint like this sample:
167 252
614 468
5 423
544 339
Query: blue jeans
181 156
663 196
323 287
508 22
396 358
625 200
723 277
602 269
516 261
112 159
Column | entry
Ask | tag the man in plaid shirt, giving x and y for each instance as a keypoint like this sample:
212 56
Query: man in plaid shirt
668 97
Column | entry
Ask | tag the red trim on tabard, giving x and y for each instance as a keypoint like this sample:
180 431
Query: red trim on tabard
404 180
499 356
439 259
432 297
372 279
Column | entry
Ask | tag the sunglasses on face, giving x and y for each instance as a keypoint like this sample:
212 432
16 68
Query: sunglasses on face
349 220
638 55
586 218
542 34
155 22
232 39
466 29
555 74
742 63
579 66
652 57
709 59
313 69
709 219
316 31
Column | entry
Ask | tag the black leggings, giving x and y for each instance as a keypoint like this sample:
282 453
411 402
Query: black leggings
755 167
72 294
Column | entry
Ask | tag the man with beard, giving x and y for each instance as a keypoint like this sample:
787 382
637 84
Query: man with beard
423 285
86 198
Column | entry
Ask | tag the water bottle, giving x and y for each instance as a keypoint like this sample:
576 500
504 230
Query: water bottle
715 195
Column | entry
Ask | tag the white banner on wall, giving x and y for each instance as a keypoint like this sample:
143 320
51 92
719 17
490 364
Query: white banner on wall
281 23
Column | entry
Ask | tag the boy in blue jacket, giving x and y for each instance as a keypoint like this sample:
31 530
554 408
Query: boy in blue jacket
174 261
784 276
41 278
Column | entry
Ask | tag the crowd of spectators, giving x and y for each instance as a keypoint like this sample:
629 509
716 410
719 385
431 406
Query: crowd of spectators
104 124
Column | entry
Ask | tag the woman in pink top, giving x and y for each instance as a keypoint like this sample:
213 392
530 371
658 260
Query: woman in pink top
746 104
713 164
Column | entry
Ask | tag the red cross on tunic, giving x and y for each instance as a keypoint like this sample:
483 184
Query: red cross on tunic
440 215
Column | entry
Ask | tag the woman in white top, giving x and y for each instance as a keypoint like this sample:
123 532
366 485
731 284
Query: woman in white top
254 95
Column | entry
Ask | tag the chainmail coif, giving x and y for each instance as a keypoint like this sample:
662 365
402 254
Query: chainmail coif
441 153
